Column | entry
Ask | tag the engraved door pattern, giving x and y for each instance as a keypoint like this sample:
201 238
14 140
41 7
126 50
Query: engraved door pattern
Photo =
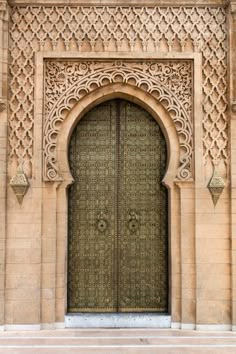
118 216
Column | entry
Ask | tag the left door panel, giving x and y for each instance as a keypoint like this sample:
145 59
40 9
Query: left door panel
91 202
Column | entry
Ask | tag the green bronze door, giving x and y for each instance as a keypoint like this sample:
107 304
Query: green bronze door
118 216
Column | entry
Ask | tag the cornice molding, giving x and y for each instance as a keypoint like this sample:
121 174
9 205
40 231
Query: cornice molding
122 2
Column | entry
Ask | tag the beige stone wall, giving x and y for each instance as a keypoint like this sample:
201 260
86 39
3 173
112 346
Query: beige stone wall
33 234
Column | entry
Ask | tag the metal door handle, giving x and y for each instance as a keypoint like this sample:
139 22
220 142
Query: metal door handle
133 223
102 222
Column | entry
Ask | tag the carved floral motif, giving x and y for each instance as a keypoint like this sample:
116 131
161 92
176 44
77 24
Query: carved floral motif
169 81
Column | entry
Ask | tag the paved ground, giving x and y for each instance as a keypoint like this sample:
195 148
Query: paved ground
117 341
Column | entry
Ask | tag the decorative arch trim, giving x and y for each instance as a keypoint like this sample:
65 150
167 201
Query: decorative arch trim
133 94
168 82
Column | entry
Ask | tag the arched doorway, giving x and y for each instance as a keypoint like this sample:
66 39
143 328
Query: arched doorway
117 235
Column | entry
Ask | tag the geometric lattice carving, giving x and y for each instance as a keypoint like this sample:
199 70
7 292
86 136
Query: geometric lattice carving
66 82
106 28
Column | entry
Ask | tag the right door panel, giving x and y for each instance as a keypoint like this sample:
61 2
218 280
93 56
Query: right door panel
142 213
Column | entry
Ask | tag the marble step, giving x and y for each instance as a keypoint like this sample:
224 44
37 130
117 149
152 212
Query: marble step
117 341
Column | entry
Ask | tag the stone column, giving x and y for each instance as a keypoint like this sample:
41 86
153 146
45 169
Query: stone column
49 256
187 254
3 146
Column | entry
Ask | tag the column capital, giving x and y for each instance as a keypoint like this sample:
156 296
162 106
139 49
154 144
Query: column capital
3 104
3 8
232 6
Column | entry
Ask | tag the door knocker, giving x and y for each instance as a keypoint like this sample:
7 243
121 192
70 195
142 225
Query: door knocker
102 222
133 223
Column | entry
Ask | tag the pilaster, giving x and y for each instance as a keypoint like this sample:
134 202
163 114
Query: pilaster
232 117
3 144
187 254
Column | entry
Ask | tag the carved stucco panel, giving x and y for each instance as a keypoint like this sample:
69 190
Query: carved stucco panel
169 81
121 28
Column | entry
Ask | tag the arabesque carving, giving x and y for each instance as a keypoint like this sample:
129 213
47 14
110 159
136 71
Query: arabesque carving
121 28
66 82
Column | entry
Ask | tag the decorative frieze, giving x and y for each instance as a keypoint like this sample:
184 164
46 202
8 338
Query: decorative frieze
118 28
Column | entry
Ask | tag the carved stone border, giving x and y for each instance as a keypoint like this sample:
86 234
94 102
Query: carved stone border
182 117
54 197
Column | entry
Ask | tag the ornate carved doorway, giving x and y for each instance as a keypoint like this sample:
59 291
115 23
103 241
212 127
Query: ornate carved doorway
118 237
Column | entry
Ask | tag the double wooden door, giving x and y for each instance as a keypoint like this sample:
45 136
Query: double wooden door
117 225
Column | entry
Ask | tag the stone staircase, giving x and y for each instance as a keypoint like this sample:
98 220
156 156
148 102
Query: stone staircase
117 341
